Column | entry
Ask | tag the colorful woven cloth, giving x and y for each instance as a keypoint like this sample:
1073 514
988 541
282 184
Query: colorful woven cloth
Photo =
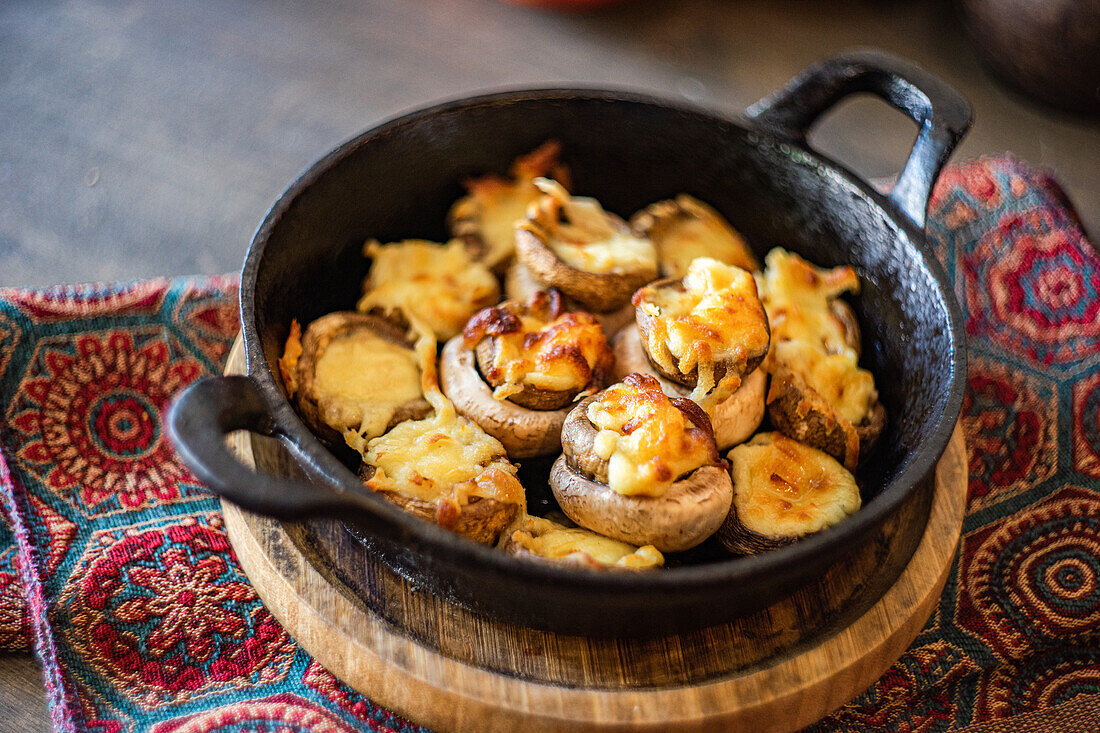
122 574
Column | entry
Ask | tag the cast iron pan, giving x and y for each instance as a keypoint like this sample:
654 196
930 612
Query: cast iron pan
397 180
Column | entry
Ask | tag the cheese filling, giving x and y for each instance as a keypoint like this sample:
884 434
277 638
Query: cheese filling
581 234
716 316
539 346
551 540
836 377
782 488
437 284
362 379
647 441
796 297
442 457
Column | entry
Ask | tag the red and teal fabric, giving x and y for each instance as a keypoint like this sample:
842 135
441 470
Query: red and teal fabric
117 570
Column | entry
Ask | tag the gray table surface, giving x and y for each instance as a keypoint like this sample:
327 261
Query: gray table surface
142 138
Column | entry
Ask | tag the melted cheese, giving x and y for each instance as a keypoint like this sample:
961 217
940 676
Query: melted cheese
495 204
556 542
566 353
717 316
647 441
782 488
796 296
361 379
442 457
689 229
836 377
582 235
435 284
288 362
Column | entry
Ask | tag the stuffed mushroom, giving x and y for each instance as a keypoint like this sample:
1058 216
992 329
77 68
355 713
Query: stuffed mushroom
352 374
447 470
685 228
819 395
783 490
707 330
432 287
591 255
518 367
542 540
641 467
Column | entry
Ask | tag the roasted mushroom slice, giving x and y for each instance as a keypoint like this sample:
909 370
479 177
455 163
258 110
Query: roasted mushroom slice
685 228
825 401
542 540
782 491
520 284
734 418
518 367
485 218
435 287
706 330
352 373
447 470
641 468
589 254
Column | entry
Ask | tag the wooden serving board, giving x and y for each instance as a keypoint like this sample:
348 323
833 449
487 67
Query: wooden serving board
452 670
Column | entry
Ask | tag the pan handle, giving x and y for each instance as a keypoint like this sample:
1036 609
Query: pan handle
941 112
198 423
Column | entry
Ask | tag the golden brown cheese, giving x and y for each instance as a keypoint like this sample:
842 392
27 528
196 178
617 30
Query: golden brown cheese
783 488
541 345
715 316
444 456
583 235
361 379
796 296
437 285
686 228
836 377
648 439
553 541
494 204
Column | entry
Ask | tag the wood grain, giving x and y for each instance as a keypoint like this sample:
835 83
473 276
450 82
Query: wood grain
450 669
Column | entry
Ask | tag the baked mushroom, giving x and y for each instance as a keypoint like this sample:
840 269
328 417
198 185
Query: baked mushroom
734 418
825 401
641 467
706 330
352 373
819 395
783 491
485 218
431 286
572 244
685 228
520 284
446 470
518 367
542 540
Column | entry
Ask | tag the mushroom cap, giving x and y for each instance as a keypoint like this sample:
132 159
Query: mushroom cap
525 433
689 512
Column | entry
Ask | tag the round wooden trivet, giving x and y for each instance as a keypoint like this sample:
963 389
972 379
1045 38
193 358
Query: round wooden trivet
446 668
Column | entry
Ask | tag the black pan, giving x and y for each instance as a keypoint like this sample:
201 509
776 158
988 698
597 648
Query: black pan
397 180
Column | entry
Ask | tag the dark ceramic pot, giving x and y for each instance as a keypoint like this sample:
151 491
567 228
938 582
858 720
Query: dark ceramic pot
397 180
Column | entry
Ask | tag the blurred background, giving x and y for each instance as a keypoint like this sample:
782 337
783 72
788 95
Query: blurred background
141 139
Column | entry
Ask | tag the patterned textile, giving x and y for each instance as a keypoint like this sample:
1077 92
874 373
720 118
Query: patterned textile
143 618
